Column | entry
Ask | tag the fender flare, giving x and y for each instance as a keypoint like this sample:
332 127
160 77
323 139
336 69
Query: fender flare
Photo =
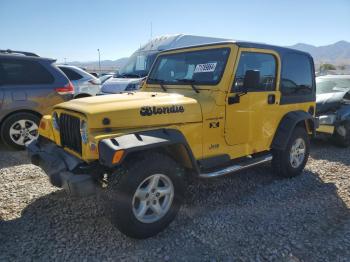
140 141
287 125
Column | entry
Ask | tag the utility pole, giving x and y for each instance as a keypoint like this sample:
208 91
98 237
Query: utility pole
65 60
99 60
151 30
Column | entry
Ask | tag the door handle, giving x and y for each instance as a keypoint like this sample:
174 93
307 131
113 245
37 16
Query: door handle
271 99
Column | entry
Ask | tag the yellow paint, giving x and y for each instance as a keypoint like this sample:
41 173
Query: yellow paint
325 129
240 129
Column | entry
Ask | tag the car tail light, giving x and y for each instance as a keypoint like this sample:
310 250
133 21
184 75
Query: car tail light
68 89
94 81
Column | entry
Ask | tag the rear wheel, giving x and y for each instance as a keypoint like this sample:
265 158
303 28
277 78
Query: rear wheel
291 161
19 129
146 198
341 135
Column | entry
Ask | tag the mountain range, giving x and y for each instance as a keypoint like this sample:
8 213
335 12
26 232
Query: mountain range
111 65
337 54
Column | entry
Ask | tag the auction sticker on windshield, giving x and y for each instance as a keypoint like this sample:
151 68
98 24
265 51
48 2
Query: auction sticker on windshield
205 68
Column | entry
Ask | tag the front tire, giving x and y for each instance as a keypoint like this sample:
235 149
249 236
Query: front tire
146 198
291 161
19 128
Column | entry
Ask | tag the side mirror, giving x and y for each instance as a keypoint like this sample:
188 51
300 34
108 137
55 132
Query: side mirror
251 79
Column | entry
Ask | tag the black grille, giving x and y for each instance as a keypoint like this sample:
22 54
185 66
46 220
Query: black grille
70 132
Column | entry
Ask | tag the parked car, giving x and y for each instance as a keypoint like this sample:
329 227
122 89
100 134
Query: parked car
204 112
333 107
105 77
94 74
130 76
29 87
85 84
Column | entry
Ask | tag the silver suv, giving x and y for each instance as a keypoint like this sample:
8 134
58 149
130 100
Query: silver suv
29 87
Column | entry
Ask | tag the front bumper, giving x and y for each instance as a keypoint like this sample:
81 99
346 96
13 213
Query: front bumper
61 167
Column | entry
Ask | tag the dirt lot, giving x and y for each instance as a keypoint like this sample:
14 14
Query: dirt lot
250 216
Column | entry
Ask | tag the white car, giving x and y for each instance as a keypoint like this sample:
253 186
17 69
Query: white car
105 77
84 83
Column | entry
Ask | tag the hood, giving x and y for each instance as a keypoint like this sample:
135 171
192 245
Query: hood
136 109
330 101
117 85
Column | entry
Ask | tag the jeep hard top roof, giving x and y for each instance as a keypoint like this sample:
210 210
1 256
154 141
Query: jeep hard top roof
245 44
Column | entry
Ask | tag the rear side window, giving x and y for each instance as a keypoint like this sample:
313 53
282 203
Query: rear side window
264 64
71 74
296 75
17 72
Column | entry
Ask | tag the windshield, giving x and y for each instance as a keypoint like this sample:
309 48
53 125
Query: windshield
332 85
195 67
138 65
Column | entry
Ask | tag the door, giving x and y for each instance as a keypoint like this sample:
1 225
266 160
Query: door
252 105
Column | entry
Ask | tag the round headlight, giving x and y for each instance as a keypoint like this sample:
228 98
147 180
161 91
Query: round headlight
84 131
55 121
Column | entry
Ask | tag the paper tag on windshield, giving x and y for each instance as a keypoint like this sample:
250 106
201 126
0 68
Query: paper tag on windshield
205 68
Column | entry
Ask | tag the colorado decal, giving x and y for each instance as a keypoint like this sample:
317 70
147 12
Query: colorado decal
149 111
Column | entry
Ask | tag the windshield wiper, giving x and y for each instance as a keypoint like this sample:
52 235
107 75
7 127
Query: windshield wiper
160 82
189 81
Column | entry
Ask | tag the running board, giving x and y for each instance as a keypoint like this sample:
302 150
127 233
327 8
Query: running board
238 167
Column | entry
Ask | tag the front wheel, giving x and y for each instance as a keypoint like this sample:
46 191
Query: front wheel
291 161
20 128
146 198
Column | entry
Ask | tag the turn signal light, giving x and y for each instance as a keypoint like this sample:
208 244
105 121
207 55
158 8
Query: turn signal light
117 156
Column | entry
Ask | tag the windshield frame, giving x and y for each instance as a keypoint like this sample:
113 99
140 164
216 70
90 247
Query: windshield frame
186 83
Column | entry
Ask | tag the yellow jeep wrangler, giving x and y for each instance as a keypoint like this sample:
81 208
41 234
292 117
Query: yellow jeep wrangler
203 111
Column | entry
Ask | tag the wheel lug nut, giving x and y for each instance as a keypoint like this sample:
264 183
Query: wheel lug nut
157 194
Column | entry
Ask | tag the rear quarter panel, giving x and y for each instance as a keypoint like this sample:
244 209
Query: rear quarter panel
37 98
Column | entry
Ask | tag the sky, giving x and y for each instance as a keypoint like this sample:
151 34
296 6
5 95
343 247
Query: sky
75 29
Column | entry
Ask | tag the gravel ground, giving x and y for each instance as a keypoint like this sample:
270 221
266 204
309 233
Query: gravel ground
249 216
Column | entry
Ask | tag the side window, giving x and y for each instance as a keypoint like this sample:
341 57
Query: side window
71 74
17 72
262 66
296 75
